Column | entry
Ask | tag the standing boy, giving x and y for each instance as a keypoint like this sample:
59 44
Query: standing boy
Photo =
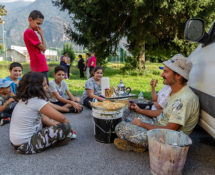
35 46
7 103
15 75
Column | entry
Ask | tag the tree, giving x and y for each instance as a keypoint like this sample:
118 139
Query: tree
3 12
152 27
1 49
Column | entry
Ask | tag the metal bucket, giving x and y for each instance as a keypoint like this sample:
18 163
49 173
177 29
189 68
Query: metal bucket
105 123
167 151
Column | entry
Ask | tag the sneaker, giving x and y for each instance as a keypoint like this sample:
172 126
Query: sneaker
128 146
73 135
4 121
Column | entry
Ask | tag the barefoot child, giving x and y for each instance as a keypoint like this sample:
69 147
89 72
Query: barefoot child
27 133
7 103
15 75
59 89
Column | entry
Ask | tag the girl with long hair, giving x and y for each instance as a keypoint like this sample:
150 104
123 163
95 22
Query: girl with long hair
93 87
27 133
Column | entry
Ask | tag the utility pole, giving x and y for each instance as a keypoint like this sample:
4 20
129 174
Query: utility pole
3 39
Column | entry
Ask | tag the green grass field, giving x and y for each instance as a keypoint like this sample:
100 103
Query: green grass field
137 80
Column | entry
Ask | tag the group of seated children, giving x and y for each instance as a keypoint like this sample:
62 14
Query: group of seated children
33 107
35 121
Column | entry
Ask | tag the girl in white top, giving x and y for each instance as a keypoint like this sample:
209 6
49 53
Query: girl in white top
26 132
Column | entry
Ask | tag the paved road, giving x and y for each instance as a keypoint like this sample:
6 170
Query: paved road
87 156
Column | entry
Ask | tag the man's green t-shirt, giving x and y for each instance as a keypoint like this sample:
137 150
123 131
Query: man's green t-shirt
182 108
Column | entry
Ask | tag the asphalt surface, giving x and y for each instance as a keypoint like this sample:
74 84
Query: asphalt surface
85 155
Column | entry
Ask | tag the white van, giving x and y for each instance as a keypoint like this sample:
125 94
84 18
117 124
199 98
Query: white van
202 74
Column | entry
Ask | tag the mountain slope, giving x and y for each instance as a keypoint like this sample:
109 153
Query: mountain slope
16 22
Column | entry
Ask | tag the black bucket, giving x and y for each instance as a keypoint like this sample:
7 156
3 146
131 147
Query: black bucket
105 129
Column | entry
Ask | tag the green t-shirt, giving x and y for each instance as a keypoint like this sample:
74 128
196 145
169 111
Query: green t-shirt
182 108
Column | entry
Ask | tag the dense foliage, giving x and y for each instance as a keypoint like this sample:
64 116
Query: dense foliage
154 26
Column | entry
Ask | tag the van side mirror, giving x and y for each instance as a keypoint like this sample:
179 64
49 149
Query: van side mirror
195 31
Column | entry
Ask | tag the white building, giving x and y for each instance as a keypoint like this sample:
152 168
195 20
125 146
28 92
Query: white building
20 54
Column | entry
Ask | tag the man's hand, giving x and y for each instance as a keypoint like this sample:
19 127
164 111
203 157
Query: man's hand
101 99
134 107
136 121
153 83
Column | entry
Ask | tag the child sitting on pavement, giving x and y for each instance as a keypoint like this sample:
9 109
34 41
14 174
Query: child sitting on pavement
27 132
7 102
93 88
15 69
59 87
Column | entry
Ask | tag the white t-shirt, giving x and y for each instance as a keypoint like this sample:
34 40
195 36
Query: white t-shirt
60 89
26 120
163 95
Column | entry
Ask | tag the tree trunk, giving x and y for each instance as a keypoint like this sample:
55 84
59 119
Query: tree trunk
141 58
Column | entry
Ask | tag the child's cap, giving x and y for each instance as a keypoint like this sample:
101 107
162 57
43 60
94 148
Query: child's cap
161 67
4 83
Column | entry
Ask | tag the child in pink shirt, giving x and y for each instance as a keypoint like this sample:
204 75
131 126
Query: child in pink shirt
35 46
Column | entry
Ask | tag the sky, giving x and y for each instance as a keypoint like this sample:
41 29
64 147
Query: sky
16 0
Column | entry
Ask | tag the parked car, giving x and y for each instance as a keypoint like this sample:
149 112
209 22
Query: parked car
202 74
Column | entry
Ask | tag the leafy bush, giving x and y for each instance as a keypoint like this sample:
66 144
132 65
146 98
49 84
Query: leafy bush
130 63
154 72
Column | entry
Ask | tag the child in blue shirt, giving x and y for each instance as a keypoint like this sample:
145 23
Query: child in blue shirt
15 75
